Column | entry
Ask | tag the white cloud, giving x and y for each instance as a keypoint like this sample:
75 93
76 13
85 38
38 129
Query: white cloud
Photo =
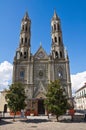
5 74
78 80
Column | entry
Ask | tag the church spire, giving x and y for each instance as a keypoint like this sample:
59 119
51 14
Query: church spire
55 16
56 35
25 38
25 33
26 16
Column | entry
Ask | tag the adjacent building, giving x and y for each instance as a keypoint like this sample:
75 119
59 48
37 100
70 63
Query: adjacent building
80 98
3 103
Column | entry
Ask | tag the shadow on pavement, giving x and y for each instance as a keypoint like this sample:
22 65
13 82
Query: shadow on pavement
34 120
72 121
4 122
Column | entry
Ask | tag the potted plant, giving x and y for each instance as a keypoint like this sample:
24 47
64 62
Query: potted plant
32 112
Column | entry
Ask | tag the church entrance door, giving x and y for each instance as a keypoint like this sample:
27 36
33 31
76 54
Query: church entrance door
41 109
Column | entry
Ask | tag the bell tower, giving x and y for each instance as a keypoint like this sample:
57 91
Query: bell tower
23 52
60 68
56 36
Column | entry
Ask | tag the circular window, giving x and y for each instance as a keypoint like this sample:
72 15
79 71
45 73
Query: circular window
40 73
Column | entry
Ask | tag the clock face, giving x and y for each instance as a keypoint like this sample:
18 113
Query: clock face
40 55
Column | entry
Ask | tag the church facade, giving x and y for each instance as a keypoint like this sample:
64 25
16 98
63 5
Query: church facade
36 71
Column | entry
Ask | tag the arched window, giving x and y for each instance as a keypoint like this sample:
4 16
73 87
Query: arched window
25 54
22 74
56 54
25 39
60 54
55 39
22 27
59 40
58 27
21 40
20 54
5 108
26 28
60 74
55 27
29 41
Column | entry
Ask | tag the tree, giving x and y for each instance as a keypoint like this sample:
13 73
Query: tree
56 99
15 97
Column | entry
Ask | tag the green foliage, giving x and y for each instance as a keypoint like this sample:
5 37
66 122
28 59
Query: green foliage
56 101
15 97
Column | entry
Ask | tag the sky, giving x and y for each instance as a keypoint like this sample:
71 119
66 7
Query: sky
73 23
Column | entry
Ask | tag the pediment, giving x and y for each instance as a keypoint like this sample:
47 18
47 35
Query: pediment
40 91
41 54
40 95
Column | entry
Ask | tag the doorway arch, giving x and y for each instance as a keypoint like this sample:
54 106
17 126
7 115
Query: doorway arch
41 108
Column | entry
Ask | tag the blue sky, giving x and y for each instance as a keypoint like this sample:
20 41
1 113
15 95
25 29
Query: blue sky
72 14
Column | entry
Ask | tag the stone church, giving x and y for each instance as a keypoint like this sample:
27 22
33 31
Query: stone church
36 71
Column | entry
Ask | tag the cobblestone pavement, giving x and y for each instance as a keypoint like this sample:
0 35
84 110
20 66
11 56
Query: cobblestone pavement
39 123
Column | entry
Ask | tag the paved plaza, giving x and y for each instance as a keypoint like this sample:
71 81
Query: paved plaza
39 123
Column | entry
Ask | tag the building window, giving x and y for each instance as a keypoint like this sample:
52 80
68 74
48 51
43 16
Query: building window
60 75
25 54
21 74
21 54
60 54
55 27
21 40
59 40
56 54
58 27
80 94
22 27
5 108
29 41
25 39
84 91
55 39
26 28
